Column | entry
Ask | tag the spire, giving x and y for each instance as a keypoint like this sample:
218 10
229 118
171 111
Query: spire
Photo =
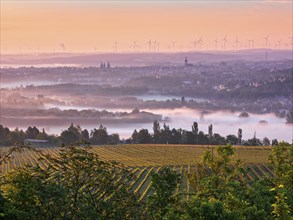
186 61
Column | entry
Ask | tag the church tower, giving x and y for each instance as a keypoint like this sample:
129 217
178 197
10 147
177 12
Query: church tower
186 61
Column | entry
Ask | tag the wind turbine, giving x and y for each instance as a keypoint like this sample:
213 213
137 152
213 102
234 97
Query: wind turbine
154 45
266 38
200 42
251 45
216 43
115 46
134 46
224 42
150 45
173 45
279 44
291 41
236 43
194 43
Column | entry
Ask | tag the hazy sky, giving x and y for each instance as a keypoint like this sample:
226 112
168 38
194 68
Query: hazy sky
46 26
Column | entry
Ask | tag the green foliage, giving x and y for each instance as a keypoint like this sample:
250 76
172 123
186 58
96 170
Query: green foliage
221 189
144 137
76 185
281 209
216 175
71 135
198 209
99 136
164 184
281 159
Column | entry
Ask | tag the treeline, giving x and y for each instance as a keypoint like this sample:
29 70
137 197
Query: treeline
71 135
79 185
166 135
160 135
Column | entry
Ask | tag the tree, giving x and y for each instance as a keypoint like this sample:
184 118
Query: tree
166 134
188 137
71 135
99 136
194 129
114 138
84 135
42 135
183 101
253 142
144 137
220 190
232 139
281 158
239 136
211 133
16 136
163 184
32 132
266 142
157 132
202 138
218 139
275 142
134 137
4 133
176 136
213 171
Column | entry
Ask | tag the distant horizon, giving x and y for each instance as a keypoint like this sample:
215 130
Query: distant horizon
144 52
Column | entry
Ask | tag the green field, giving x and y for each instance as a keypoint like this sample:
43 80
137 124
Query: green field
141 160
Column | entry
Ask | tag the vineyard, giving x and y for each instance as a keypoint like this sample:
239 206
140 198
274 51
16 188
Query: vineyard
142 160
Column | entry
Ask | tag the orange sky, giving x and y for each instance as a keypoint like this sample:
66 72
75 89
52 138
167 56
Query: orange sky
88 26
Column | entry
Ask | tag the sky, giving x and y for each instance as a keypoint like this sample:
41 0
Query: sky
95 26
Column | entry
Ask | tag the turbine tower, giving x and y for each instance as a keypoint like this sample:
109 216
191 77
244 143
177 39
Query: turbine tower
150 45
279 44
251 44
194 43
266 38
200 42
216 43
236 43
173 45
134 46
224 42
115 46
154 45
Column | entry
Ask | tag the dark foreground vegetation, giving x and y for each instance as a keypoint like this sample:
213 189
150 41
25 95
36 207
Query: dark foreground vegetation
78 185
160 135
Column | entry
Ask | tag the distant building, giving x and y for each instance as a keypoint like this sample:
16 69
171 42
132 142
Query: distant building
186 62
36 142
103 65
